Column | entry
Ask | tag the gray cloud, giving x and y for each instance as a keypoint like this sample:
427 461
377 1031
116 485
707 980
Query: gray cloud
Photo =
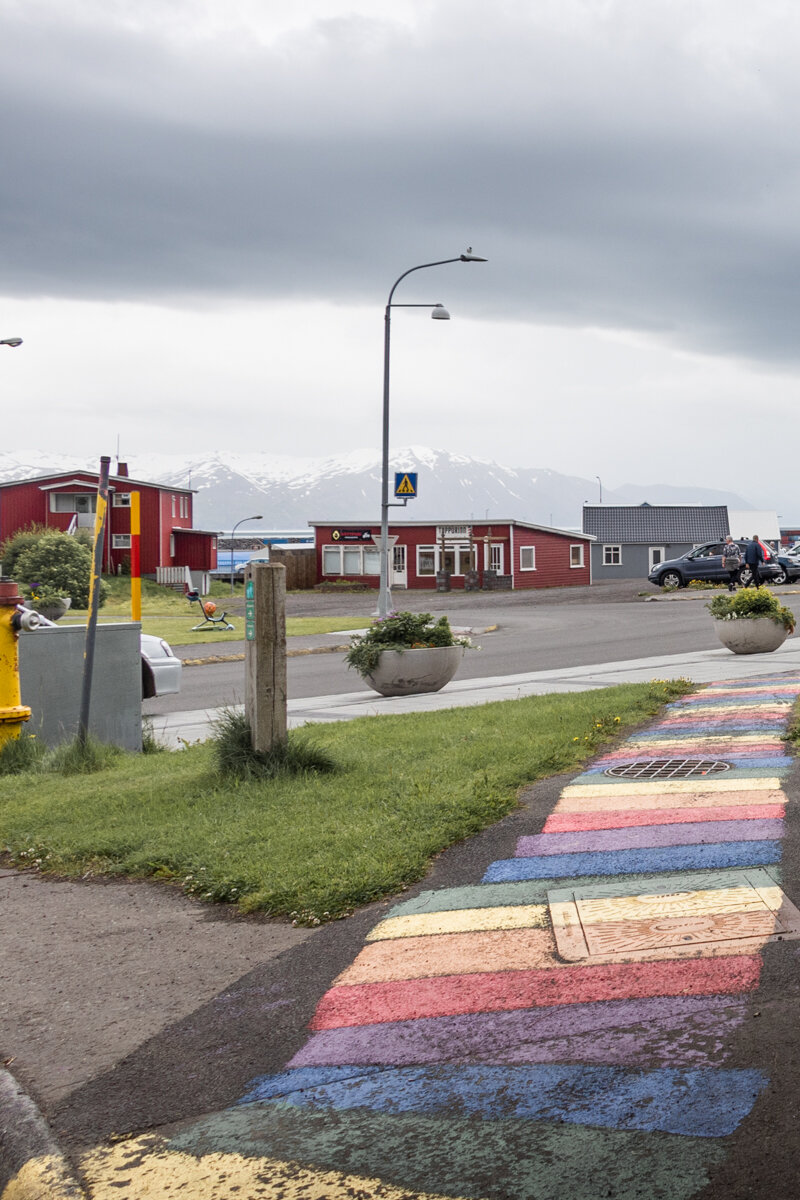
624 164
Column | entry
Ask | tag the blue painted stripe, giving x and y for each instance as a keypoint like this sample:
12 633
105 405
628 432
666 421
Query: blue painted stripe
778 761
630 862
701 1103
271 1087
754 699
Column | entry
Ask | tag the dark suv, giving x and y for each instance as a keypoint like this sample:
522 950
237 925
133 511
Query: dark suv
705 562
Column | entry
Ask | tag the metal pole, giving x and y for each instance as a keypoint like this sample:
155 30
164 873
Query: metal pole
94 598
384 590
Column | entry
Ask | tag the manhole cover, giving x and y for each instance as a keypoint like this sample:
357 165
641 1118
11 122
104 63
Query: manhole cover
667 768
671 913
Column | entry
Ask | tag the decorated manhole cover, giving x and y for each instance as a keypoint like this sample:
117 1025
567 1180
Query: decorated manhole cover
667 768
697 913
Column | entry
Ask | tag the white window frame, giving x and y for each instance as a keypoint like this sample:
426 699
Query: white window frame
338 550
580 548
608 554
429 549
527 550
120 541
121 500
496 557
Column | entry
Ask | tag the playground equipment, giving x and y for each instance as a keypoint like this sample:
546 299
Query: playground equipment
208 610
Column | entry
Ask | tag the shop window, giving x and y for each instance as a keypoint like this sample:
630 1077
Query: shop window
527 558
331 560
426 560
576 555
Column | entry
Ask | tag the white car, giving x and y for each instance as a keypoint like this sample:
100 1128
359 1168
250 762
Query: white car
161 670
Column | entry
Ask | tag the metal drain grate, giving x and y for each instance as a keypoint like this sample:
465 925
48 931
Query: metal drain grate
668 768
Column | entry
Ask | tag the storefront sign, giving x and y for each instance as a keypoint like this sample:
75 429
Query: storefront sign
351 535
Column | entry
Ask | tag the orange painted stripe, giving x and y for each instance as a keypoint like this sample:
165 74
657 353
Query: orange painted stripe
583 822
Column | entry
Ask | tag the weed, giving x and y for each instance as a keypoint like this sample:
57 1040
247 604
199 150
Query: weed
237 759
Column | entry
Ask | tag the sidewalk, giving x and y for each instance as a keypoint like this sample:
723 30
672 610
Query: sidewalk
598 996
703 666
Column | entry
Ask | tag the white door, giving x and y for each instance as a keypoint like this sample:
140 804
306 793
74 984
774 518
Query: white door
399 572
656 556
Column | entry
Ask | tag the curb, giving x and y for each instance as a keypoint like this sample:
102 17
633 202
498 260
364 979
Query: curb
32 1164
340 649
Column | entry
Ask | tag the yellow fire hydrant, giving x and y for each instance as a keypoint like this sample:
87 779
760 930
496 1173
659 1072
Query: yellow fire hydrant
12 712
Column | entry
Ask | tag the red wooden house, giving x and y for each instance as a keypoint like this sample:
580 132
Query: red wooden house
68 500
505 554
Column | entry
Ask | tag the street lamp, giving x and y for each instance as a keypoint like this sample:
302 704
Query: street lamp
599 480
11 342
438 313
233 534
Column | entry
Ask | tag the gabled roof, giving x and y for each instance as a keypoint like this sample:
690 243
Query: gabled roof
655 523
79 478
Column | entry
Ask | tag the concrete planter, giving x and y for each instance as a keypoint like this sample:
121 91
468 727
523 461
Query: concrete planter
54 610
409 672
751 635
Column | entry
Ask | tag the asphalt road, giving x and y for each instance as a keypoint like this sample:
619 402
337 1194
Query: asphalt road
535 632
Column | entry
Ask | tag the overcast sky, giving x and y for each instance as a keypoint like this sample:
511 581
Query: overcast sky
204 204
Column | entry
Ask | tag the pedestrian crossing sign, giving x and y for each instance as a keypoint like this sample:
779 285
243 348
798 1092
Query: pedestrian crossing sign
405 484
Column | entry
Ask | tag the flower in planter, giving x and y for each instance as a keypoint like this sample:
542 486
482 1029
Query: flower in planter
748 605
399 631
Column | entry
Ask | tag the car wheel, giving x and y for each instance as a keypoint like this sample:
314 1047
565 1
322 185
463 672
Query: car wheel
671 579
745 577
781 577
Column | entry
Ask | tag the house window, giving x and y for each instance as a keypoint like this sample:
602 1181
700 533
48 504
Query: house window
527 558
184 506
120 541
174 498
73 502
426 560
351 560
121 500
576 555
496 559
612 556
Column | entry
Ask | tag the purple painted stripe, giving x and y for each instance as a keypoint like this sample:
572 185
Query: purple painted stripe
685 834
680 1030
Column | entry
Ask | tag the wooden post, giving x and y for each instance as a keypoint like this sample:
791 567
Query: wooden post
265 654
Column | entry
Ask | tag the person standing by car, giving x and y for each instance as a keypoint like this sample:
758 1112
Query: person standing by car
731 561
753 557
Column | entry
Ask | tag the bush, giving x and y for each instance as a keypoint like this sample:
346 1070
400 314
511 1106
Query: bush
399 631
55 564
750 604
13 547
237 759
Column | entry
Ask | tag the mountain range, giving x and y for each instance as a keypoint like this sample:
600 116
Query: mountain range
289 492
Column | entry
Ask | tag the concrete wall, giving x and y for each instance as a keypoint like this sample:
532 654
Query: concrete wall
51 678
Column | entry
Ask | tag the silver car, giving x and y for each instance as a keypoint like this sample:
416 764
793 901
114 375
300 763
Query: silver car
161 670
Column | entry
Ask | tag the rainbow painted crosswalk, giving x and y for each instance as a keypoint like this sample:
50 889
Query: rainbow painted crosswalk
568 1018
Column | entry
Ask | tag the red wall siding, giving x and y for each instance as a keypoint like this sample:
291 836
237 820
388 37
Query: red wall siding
552 560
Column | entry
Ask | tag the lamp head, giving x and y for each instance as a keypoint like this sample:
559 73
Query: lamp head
439 313
468 256
11 342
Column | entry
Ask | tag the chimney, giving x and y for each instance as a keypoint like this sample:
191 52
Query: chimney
122 470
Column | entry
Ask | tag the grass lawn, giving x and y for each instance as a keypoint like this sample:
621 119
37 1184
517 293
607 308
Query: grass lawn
169 615
314 847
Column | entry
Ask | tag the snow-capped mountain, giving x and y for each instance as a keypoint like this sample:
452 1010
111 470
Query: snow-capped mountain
289 492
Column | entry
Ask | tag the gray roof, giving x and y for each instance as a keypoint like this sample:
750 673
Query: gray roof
655 524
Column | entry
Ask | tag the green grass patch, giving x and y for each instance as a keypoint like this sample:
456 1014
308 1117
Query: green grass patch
169 615
314 846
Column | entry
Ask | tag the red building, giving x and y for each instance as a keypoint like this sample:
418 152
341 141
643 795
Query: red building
67 501
505 554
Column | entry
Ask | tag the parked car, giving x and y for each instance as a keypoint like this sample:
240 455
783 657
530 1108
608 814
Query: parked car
789 564
705 563
161 670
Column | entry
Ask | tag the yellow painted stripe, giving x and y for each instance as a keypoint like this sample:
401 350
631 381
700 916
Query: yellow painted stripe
461 920
583 803
45 1178
150 1171
672 787
706 738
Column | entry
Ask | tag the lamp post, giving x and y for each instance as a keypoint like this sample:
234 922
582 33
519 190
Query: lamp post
438 313
600 482
233 534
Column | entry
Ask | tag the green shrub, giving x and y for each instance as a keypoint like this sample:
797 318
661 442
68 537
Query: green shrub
13 547
749 604
56 564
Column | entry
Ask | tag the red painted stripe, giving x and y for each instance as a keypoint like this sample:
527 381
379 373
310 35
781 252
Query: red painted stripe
449 995
581 822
